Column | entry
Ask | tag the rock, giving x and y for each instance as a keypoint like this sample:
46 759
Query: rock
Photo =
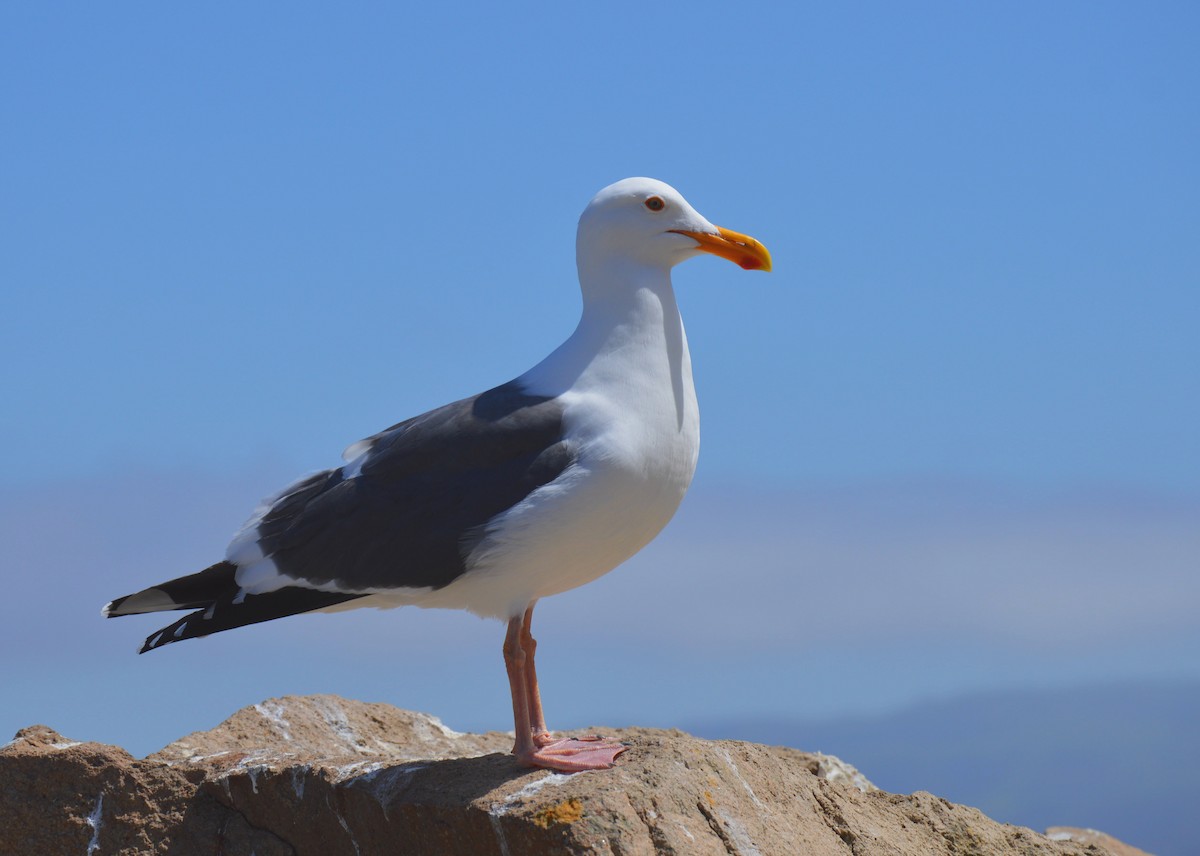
1106 843
327 728
326 776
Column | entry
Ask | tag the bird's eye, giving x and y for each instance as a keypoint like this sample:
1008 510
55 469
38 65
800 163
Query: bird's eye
655 203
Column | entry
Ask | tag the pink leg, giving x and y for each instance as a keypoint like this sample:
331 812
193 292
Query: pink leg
537 718
534 747
514 662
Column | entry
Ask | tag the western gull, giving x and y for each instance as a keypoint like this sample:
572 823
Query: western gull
490 503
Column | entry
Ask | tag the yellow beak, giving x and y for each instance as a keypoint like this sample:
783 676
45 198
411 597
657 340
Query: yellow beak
740 249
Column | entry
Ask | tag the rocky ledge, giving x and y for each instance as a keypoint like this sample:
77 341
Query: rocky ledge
327 776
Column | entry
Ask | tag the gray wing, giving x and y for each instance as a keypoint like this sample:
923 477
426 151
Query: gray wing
424 491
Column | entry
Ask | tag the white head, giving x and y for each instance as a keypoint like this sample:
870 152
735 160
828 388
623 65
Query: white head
649 223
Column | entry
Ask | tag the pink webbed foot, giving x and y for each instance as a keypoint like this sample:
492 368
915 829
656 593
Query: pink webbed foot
571 755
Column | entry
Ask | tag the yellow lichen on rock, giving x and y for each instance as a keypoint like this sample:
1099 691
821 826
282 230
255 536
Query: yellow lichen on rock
567 811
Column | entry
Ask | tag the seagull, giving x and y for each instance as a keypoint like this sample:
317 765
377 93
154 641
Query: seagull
488 504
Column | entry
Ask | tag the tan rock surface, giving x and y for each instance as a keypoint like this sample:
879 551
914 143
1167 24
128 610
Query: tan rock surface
1102 840
325 776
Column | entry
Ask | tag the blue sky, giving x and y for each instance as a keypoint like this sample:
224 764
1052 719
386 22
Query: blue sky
958 420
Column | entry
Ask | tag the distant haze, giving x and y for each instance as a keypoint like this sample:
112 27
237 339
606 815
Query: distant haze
1118 757
752 602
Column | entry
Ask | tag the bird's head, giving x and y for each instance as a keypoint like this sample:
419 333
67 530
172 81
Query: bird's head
649 222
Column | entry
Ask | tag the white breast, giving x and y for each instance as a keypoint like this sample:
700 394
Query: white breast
630 413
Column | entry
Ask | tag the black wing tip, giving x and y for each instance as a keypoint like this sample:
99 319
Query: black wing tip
239 611
178 631
157 640
154 642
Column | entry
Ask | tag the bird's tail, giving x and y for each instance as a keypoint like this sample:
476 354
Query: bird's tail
191 592
220 604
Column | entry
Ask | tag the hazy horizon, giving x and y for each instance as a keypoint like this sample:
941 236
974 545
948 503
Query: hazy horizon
883 595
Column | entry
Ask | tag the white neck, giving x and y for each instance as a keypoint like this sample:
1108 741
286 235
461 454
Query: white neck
630 337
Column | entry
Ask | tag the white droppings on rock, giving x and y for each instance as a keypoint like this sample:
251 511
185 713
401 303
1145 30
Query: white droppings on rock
250 765
346 827
253 772
385 783
738 775
509 802
95 820
272 711
298 775
446 731
198 758
499 830
385 747
738 836
834 769
336 719
357 768
66 744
